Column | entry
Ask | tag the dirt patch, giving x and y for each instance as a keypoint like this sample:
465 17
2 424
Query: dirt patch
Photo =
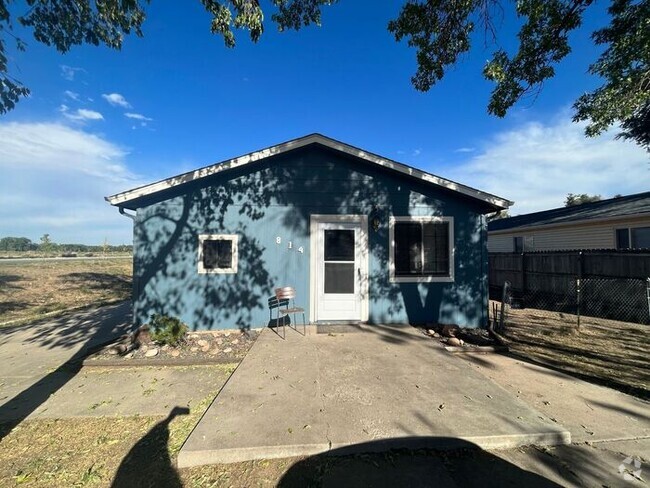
222 346
607 352
32 289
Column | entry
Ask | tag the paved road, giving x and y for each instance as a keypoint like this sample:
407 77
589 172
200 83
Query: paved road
34 357
80 258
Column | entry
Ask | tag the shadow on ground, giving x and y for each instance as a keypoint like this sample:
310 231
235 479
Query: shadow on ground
81 332
465 466
148 462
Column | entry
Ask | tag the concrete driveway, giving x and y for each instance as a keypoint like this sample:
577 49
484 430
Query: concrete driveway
382 386
36 358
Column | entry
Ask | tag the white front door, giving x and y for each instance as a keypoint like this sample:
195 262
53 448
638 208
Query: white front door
340 268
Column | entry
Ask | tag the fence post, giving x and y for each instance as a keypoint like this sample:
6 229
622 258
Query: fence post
578 300
523 277
580 264
647 292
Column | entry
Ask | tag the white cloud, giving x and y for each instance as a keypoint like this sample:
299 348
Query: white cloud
72 95
81 114
465 149
131 115
537 164
69 72
417 152
54 179
116 100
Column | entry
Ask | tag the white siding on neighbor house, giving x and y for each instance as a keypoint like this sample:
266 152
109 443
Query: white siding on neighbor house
578 236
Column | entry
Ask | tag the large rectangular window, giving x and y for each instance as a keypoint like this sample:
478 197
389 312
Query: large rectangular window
421 249
217 253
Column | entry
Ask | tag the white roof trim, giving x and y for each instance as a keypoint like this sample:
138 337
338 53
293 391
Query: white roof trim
121 198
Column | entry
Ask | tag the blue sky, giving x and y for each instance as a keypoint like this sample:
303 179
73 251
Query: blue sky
101 121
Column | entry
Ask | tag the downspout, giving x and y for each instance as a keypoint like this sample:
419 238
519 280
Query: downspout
135 292
131 216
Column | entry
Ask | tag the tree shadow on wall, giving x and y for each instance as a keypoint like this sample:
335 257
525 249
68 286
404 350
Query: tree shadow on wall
279 194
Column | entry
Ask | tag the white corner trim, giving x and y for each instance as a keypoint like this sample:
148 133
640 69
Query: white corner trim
121 198
219 237
420 279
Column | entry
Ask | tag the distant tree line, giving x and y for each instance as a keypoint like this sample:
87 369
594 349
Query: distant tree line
23 244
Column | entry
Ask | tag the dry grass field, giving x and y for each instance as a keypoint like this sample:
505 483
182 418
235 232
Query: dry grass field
32 288
608 352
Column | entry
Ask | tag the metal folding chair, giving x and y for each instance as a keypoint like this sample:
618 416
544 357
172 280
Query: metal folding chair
286 305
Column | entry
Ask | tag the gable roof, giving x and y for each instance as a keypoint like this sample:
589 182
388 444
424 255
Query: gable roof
121 199
638 203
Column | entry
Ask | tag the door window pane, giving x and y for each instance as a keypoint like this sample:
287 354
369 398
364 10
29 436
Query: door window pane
339 245
339 278
640 237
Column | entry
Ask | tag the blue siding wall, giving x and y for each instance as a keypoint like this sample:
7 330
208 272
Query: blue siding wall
274 198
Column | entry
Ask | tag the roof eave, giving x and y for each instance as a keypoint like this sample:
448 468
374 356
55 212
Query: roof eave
120 199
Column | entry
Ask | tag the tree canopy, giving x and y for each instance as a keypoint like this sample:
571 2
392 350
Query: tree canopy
580 198
439 30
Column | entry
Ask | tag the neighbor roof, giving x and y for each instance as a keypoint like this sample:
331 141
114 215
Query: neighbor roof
121 199
605 209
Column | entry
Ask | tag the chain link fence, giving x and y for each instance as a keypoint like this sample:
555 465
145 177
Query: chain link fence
574 302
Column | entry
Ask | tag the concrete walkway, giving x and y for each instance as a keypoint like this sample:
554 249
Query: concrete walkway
391 385
35 357
592 413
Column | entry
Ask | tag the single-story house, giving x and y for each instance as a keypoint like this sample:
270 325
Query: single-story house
360 237
616 223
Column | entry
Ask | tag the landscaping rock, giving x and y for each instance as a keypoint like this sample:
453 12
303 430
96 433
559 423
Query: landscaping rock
151 352
227 350
165 347
202 343
453 341
175 353
219 341
205 348
215 351
235 341
431 332
194 349
144 348
129 355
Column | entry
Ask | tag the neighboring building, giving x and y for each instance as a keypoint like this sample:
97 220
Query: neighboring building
360 237
617 223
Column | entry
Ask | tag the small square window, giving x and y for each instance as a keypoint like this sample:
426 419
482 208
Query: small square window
218 254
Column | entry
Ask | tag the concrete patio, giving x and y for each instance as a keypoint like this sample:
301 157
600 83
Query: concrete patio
388 384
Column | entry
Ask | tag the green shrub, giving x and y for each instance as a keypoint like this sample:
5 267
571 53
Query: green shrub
167 330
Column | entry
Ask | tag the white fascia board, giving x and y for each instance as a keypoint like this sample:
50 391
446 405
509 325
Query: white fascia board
121 198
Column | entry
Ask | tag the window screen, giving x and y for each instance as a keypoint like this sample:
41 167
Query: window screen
640 237
421 248
622 239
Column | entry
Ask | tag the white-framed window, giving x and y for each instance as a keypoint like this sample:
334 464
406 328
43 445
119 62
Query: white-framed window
218 253
421 249
633 238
